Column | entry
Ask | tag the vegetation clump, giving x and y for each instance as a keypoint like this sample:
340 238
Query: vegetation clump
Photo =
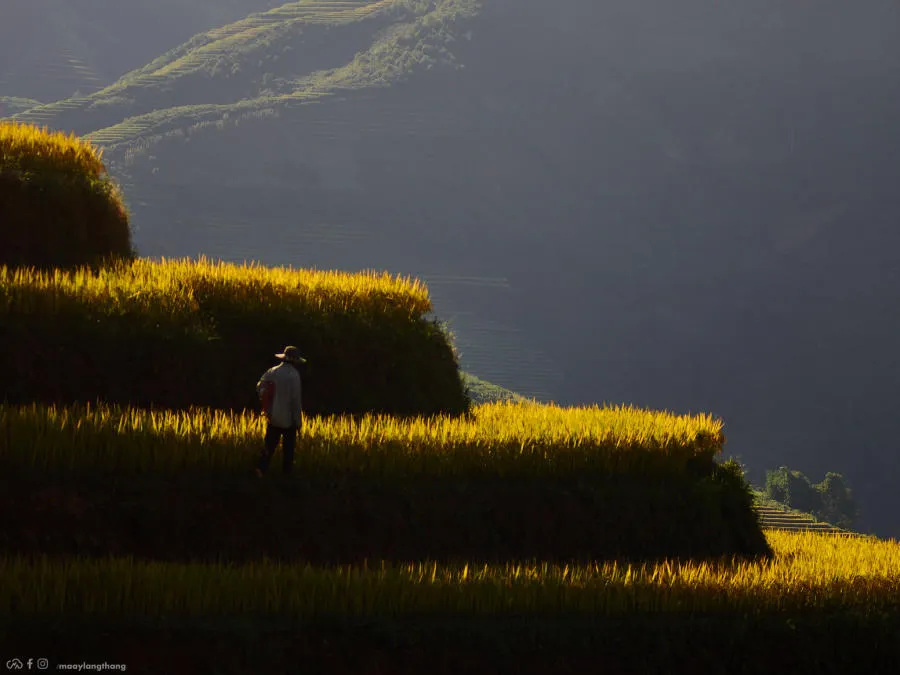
58 206
508 481
500 440
198 331
830 500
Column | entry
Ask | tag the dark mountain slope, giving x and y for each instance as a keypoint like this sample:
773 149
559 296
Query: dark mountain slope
689 207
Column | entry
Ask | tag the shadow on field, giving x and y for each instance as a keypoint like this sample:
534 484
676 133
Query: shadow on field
667 642
348 519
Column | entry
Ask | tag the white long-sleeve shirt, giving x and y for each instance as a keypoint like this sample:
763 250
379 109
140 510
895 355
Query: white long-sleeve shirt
286 404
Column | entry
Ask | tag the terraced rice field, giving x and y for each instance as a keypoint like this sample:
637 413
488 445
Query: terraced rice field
119 132
773 518
246 35
808 571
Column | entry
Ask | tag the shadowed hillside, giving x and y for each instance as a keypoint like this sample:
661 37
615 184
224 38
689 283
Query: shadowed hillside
689 208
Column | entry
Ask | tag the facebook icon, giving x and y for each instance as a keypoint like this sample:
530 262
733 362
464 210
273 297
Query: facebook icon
30 662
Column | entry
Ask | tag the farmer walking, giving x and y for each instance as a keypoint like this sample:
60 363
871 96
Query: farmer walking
279 394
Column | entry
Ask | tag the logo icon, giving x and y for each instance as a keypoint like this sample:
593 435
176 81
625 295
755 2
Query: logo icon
14 664
43 664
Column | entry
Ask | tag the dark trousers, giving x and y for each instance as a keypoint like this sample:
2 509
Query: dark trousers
273 435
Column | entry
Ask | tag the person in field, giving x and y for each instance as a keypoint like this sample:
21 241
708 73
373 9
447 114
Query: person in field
279 395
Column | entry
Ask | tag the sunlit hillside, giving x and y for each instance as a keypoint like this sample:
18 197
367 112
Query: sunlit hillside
688 208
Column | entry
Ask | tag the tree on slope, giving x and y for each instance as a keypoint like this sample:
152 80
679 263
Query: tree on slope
831 500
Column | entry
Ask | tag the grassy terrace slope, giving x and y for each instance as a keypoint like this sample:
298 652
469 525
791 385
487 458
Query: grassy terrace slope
369 345
513 440
285 56
810 572
826 604
509 482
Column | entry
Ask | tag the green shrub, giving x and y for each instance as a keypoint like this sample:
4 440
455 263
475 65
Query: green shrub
830 501
793 489
838 505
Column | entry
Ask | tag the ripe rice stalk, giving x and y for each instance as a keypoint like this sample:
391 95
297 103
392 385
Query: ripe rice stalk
180 288
499 438
809 572
29 149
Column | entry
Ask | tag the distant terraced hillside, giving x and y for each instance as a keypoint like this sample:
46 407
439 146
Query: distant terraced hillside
56 49
291 54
